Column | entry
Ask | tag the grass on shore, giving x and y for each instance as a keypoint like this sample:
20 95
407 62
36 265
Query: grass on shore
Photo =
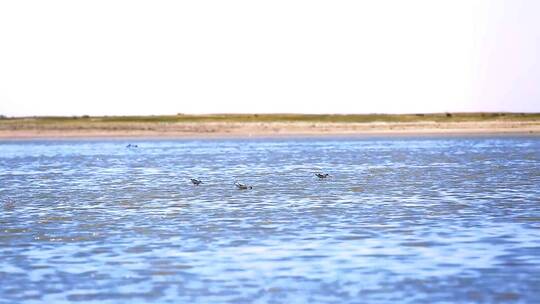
239 118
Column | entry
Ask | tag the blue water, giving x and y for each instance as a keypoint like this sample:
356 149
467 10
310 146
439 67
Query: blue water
408 220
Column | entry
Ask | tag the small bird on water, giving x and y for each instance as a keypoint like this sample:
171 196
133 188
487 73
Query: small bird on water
241 186
195 181
322 175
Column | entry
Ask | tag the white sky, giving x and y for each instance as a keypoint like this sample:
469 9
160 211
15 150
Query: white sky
164 57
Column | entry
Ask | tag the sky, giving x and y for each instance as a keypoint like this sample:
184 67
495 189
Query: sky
133 57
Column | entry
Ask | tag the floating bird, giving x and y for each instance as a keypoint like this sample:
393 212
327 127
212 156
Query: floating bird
131 146
195 181
242 186
322 175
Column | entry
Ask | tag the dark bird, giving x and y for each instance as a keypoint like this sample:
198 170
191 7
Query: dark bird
131 146
195 181
241 186
322 175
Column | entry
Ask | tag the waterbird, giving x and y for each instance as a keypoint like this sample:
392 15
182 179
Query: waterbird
131 146
241 186
322 175
195 181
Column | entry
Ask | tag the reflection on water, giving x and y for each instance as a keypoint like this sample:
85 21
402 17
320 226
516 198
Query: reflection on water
400 219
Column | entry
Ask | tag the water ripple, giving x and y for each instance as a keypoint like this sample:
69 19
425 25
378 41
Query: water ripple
417 220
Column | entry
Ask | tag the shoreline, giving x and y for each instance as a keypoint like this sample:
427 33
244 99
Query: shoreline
217 130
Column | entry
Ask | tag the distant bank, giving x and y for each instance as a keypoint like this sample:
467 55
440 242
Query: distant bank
262 125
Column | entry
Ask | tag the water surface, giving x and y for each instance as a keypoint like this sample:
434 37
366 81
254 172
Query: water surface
418 220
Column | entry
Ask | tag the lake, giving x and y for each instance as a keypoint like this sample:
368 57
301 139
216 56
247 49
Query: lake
399 219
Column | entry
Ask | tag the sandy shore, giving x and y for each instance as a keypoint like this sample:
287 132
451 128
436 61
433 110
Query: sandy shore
270 129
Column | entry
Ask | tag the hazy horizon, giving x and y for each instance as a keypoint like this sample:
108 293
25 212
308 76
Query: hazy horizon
116 58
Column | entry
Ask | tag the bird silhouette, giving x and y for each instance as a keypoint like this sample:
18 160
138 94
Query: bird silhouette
195 181
322 175
241 186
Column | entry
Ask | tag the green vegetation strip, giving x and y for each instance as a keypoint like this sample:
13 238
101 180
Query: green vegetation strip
350 118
